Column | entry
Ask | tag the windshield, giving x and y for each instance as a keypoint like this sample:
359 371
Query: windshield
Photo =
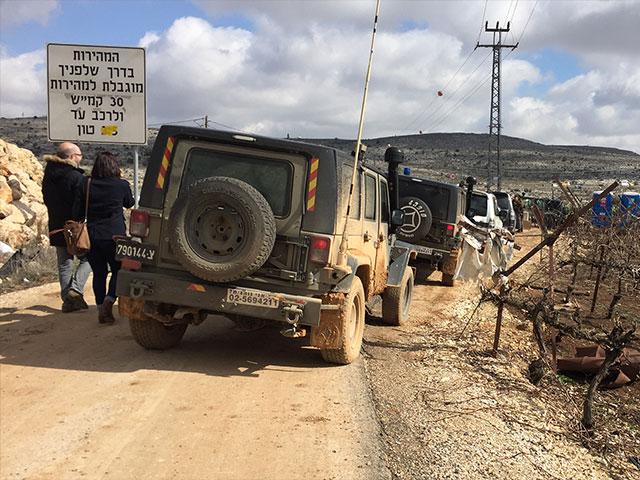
478 206
272 178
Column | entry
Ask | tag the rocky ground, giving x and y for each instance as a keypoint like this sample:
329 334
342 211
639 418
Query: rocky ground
425 400
449 410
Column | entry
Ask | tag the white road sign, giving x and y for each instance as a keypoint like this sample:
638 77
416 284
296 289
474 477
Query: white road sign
96 94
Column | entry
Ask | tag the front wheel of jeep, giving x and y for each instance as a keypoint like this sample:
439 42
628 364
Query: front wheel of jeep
350 327
153 335
396 301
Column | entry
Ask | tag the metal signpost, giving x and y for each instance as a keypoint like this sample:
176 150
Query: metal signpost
97 94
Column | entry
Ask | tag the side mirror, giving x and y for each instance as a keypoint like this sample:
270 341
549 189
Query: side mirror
397 219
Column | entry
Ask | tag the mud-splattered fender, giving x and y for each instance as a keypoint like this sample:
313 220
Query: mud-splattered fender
355 260
401 253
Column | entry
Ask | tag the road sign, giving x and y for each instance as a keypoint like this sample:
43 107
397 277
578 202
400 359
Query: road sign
96 94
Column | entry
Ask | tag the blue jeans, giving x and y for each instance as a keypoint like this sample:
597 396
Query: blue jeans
70 279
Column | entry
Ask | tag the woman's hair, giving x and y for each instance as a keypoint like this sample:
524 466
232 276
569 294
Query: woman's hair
106 165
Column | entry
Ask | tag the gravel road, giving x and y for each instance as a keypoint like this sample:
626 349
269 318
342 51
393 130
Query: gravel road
83 400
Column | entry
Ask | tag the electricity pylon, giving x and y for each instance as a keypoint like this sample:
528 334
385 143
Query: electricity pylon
494 118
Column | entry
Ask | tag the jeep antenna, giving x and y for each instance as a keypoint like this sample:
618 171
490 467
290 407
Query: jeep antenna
342 252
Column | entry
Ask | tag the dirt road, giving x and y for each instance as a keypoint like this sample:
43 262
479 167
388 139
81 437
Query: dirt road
82 400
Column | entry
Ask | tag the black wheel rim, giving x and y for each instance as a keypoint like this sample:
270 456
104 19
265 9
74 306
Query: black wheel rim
216 230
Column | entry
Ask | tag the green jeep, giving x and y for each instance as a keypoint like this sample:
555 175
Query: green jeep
251 228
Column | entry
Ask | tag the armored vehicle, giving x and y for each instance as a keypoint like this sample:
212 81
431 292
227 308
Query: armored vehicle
432 211
251 228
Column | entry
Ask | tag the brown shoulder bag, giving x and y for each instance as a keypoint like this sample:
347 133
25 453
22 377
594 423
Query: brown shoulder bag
75 233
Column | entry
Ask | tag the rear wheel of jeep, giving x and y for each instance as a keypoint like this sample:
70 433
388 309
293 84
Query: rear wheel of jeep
449 269
153 335
350 325
222 229
396 301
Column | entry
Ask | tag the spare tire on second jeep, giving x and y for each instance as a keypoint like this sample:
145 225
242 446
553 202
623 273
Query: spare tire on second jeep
417 219
222 229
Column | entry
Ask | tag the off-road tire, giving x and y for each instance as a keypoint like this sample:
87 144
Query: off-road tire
448 269
254 244
418 219
447 280
351 310
396 301
153 335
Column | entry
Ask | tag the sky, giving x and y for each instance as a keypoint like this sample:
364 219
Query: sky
297 67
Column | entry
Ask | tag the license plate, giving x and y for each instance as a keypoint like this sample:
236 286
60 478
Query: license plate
251 297
128 250
424 250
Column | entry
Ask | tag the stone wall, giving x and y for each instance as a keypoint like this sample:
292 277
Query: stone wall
23 216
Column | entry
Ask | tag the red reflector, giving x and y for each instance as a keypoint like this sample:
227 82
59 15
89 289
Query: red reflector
450 227
320 244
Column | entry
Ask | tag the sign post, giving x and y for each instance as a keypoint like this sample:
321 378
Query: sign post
96 94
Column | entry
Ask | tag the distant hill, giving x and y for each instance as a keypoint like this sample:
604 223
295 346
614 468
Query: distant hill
466 154
445 156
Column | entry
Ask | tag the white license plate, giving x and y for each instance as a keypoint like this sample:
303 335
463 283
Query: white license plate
251 297
424 250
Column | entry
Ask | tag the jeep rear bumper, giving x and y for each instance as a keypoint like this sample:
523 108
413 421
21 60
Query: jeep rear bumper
154 287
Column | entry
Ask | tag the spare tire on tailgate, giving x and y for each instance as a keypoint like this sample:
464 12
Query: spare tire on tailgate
221 229
417 219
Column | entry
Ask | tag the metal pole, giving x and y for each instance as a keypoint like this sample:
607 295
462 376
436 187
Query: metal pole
136 155
342 251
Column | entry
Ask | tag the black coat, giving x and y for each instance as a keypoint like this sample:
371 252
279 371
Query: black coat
61 183
107 197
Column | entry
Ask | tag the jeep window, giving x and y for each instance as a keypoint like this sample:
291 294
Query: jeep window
478 205
369 197
347 173
384 202
272 178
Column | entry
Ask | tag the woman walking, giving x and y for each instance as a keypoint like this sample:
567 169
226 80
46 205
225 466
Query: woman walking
108 195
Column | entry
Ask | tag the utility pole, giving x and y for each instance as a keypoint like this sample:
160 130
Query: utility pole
494 117
206 121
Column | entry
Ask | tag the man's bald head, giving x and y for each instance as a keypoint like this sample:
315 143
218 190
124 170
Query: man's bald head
70 150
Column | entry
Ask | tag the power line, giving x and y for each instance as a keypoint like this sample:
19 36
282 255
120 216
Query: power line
175 121
448 113
533 9
469 77
428 106
415 119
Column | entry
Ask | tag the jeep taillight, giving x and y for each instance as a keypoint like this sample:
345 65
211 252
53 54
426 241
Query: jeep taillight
450 228
319 249
139 224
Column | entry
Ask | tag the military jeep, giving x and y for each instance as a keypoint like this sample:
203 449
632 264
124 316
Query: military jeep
250 228
432 211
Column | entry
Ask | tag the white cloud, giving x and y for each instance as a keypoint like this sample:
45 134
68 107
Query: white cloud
16 12
299 69
23 82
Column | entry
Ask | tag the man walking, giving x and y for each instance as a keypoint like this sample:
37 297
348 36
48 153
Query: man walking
62 180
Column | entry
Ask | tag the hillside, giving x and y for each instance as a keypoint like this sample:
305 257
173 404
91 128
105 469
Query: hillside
442 156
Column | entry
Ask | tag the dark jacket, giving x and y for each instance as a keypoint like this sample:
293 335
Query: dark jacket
107 197
60 185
